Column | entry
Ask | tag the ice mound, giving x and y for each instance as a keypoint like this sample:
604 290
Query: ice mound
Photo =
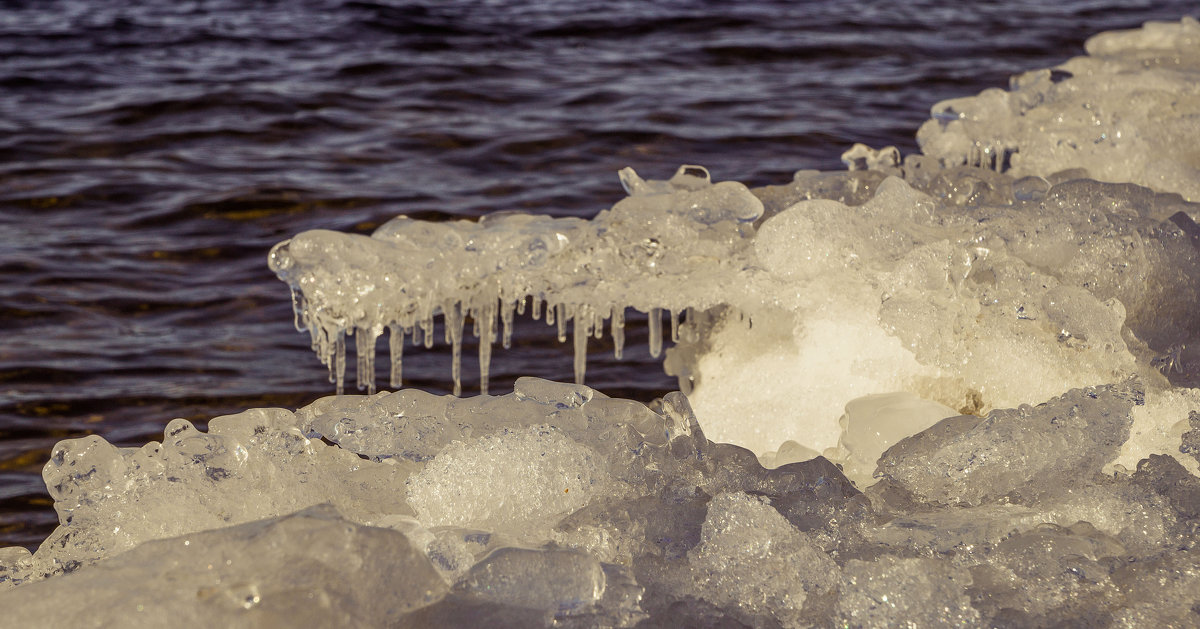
1117 113
305 570
1087 283
559 506
1004 339
933 274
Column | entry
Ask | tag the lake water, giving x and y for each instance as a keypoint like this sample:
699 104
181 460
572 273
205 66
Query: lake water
151 155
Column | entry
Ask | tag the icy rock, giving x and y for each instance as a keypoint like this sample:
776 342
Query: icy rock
936 292
891 592
1117 112
968 460
752 560
311 569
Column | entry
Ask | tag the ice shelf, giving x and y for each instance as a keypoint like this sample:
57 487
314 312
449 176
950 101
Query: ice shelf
959 387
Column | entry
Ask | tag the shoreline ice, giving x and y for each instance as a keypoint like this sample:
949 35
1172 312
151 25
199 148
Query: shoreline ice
989 348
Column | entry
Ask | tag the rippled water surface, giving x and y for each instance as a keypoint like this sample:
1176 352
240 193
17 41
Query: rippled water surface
150 155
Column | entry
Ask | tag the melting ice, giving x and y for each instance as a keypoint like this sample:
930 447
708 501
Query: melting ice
947 388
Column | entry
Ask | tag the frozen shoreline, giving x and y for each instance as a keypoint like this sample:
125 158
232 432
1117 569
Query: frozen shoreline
938 244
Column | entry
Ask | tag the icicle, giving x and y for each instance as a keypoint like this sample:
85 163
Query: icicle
655 332
521 306
298 317
488 329
596 324
364 347
537 308
618 331
338 364
562 322
323 344
674 326
427 326
690 326
453 321
581 338
549 314
506 317
396 345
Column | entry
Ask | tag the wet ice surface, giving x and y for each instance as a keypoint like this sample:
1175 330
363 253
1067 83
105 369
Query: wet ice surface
992 358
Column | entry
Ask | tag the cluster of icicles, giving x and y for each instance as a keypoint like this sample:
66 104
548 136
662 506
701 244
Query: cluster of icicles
567 270
329 341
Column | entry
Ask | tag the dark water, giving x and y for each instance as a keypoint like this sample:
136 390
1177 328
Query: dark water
150 155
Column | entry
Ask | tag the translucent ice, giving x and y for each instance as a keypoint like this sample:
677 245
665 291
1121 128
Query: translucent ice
1011 345
1118 113
467 483
750 558
637 255
311 569
1014 452
891 591
872 424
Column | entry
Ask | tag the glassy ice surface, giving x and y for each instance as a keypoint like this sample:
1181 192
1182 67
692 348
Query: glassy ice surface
988 342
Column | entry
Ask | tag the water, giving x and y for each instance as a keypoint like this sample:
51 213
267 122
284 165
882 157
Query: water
150 155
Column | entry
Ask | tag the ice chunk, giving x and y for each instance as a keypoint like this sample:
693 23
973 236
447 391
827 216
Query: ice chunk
955 529
1162 591
752 560
507 481
906 293
111 499
1048 575
891 591
789 452
560 580
968 460
311 569
1167 478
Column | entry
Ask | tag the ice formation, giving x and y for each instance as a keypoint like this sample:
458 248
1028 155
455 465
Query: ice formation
640 254
959 385
1119 113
